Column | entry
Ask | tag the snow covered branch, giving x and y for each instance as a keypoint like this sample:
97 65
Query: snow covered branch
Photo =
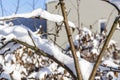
49 1
41 52
20 35
39 13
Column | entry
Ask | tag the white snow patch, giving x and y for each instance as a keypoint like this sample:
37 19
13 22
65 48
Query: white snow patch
110 63
43 14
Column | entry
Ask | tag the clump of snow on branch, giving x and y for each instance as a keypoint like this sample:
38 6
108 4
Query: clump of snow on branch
40 13
48 1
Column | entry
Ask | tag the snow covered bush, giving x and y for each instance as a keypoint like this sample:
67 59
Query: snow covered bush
19 62
17 59
25 55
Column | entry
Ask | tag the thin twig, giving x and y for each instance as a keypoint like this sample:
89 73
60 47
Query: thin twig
2 7
116 7
5 44
78 13
58 45
17 8
31 38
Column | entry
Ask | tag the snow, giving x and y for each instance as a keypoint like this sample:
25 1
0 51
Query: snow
118 27
95 51
78 55
8 67
111 73
1 59
95 43
51 17
86 31
97 78
21 33
16 75
86 68
53 67
5 75
110 63
39 13
19 64
33 75
9 48
48 1
44 71
112 42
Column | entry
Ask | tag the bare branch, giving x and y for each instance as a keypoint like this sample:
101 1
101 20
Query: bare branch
116 7
58 45
78 13
33 4
2 7
5 44
104 48
31 38
78 72
17 8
